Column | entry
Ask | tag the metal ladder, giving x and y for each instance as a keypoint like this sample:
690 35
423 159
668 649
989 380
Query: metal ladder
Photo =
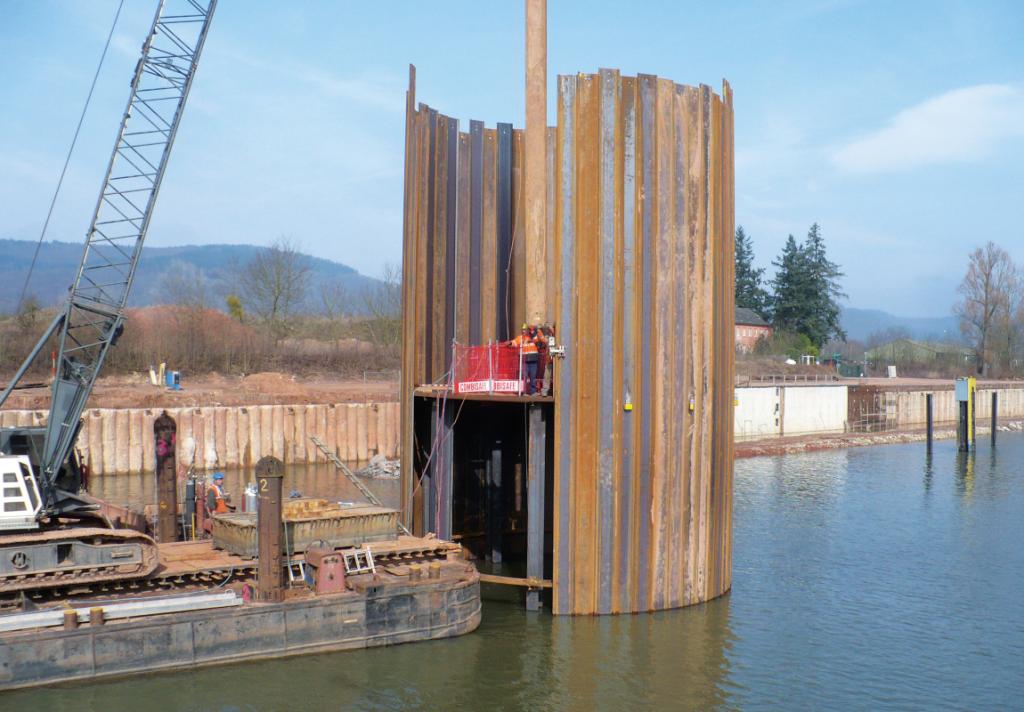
358 561
336 461
296 567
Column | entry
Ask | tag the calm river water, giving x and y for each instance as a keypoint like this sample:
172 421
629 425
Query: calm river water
871 578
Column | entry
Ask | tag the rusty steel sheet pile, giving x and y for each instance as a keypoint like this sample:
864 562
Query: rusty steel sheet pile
307 521
639 287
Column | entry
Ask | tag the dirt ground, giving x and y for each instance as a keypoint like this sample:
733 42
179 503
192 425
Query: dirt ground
135 391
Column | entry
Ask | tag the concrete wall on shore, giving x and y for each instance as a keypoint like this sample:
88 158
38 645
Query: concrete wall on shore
766 411
758 413
813 409
910 406
119 441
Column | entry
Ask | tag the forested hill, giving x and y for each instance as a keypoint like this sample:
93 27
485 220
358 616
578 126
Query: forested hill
860 324
218 264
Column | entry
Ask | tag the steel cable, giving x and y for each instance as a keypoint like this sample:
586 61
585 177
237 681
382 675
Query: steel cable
67 160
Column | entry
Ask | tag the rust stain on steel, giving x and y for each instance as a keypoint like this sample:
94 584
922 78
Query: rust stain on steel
639 220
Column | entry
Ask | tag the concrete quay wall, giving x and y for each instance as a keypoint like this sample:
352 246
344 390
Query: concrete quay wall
120 440
767 411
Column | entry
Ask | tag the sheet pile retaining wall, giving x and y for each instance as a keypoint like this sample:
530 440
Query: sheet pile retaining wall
120 441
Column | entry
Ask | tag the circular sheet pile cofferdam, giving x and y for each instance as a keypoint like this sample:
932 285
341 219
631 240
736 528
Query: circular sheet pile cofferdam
638 287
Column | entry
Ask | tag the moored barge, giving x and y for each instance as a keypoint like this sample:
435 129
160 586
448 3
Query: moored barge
198 610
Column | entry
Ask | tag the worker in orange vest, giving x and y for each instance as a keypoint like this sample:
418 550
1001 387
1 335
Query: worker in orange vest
216 500
527 343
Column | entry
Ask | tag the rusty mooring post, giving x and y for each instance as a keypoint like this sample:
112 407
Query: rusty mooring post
270 580
165 433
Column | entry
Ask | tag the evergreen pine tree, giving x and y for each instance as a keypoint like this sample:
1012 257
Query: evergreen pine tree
749 290
790 287
824 291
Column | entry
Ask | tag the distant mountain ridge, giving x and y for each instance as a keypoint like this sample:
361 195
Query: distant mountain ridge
860 324
57 262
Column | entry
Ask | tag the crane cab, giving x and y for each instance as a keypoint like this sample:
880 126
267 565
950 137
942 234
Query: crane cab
19 494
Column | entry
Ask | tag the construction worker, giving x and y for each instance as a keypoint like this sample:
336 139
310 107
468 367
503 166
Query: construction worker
216 499
527 344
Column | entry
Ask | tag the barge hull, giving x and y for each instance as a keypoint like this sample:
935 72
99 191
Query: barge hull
380 615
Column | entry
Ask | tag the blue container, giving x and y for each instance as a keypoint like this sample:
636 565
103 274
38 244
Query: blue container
173 380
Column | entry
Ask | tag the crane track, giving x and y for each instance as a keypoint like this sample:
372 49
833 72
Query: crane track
159 581
156 583
78 575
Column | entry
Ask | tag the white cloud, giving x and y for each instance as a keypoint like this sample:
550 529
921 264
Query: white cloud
963 125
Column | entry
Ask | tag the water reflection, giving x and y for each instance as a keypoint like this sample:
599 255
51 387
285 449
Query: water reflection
873 578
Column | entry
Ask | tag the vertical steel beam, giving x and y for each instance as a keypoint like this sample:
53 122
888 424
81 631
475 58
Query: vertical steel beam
606 349
495 504
428 483
535 179
269 574
995 411
476 224
503 211
164 432
442 477
452 278
564 377
536 472
629 348
929 415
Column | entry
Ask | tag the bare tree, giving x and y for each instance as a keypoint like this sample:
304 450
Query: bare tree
984 296
28 313
335 301
384 310
187 289
185 285
274 284
1008 327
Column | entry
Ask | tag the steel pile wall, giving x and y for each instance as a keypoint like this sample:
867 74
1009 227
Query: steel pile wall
640 288
115 441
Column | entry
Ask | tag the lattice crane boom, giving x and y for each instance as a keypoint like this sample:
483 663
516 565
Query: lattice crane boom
92 318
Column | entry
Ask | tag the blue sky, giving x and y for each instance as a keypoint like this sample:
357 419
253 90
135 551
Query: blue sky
899 126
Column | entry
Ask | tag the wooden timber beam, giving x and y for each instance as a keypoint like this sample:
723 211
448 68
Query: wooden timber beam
532 583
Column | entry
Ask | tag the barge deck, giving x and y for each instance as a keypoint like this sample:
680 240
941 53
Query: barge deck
422 590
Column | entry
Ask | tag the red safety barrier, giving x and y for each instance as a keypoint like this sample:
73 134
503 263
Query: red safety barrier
494 368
